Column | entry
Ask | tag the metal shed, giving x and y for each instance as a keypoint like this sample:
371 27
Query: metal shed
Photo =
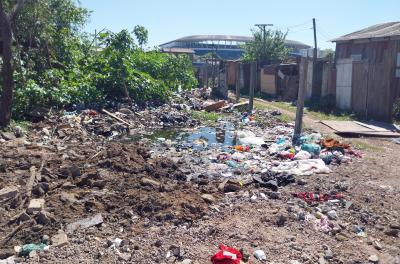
368 70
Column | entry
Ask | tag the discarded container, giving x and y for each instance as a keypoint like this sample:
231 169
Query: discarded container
28 248
313 149
227 255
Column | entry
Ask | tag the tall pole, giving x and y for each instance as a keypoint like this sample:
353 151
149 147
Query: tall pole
253 76
238 82
300 100
314 76
302 84
315 39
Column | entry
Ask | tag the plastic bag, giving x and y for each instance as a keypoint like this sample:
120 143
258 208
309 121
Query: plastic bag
227 255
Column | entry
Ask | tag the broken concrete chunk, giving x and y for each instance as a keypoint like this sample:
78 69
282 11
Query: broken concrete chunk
85 223
59 240
35 205
68 197
8 192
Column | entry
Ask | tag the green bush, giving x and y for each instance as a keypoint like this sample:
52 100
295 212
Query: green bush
396 109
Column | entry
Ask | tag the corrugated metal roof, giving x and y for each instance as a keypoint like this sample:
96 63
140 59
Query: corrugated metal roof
389 29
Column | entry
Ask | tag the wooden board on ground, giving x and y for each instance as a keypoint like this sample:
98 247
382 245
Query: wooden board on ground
214 106
235 105
355 128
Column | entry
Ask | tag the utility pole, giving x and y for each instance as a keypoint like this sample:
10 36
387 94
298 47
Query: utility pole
253 78
314 76
302 84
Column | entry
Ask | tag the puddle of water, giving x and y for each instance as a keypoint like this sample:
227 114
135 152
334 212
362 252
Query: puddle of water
198 139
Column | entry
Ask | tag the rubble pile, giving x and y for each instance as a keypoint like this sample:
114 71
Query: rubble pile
79 185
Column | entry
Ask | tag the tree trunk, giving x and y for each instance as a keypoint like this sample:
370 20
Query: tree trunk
7 72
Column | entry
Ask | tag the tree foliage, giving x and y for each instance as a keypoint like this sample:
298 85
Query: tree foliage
142 34
272 50
57 65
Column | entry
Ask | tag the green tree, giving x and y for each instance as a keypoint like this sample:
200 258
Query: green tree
141 34
269 50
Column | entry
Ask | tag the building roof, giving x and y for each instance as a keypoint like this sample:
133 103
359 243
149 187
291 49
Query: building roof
389 29
177 50
196 38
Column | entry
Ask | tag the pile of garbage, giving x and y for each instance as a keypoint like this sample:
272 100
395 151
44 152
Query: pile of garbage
256 152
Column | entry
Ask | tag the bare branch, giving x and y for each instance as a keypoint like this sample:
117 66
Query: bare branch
16 9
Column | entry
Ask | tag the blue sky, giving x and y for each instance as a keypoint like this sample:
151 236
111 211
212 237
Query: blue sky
170 19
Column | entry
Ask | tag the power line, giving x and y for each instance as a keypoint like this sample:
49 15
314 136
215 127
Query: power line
300 30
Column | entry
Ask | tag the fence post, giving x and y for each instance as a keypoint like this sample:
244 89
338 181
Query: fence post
237 83
253 77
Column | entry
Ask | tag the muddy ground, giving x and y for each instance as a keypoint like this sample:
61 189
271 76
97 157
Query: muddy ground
147 202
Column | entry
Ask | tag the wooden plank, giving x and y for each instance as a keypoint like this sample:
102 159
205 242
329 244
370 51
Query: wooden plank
357 128
359 89
115 117
343 84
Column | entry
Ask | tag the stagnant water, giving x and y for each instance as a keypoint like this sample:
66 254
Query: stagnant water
200 138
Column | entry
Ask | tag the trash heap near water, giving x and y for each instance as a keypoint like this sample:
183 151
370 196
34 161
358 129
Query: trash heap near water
243 150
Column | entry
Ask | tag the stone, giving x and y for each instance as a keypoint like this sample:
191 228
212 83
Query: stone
392 232
24 217
124 256
260 255
59 240
253 198
332 215
281 220
394 226
85 223
35 205
275 195
99 184
230 187
377 245
322 260
8 135
208 198
6 253
45 239
158 243
68 197
328 254
301 182
42 218
8 192
373 259
150 182
186 261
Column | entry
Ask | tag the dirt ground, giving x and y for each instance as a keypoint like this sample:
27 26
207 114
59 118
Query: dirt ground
162 218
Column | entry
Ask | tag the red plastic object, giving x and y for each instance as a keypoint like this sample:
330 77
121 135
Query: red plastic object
227 255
